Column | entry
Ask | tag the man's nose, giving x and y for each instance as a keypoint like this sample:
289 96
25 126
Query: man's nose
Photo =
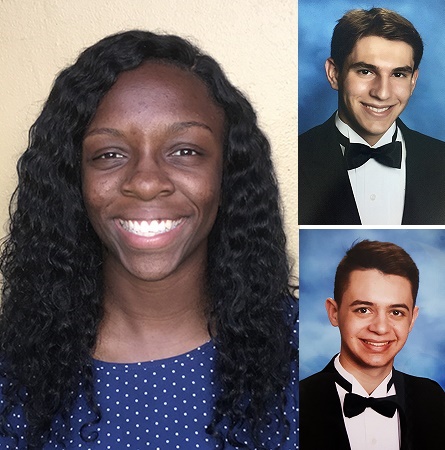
380 323
381 88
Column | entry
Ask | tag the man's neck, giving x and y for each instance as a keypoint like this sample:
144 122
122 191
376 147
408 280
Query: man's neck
368 377
355 136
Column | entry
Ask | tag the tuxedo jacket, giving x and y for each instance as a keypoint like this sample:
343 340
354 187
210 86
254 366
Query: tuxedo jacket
325 192
422 414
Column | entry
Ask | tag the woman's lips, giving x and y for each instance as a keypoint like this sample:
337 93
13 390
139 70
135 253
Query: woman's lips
149 228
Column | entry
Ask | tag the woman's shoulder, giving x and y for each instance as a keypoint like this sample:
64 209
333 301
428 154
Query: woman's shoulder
13 429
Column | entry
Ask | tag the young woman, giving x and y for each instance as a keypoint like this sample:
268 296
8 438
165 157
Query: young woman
146 297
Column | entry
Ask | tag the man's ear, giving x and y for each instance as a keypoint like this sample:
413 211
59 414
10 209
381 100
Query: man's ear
332 310
332 73
415 314
414 80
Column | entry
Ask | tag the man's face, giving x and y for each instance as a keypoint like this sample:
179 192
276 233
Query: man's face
374 85
375 315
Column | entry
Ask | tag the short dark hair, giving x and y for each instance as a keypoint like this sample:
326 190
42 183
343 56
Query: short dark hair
360 23
386 257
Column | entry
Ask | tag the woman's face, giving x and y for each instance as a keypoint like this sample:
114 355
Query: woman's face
151 171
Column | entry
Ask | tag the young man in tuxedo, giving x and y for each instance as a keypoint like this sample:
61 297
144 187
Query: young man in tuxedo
364 166
359 401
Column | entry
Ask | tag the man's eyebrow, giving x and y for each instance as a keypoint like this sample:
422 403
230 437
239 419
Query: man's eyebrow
366 303
361 302
399 305
175 128
363 65
404 69
373 68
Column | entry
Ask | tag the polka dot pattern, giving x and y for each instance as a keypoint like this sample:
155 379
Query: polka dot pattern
159 405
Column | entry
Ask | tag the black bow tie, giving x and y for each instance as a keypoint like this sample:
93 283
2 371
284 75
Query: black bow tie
355 404
357 154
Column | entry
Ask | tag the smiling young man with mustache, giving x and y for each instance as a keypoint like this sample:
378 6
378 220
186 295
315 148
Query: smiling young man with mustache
359 401
364 166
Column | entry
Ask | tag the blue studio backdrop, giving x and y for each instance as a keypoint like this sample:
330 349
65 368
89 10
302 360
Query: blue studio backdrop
320 252
317 100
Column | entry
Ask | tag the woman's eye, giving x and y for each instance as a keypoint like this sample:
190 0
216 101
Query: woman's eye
109 155
185 152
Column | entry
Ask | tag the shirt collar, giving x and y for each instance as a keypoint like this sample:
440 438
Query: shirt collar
353 137
380 391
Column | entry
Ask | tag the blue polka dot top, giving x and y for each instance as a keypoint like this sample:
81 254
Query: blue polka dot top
159 405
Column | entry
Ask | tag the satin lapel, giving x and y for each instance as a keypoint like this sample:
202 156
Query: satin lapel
337 429
405 413
323 174
413 189
425 181
333 174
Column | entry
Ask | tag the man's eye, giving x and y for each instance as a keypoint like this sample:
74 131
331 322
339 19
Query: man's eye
399 75
364 72
398 313
362 310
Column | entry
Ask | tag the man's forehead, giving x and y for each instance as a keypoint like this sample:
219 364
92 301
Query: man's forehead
372 49
371 287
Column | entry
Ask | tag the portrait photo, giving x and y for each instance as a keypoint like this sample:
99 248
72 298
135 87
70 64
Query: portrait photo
147 222
316 99
321 251
370 145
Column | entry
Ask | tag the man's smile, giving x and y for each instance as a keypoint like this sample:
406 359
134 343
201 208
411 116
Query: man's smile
376 343
377 109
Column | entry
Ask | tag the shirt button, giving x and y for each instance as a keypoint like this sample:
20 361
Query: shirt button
372 197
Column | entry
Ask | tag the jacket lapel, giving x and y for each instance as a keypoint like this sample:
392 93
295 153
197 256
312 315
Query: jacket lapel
404 411
413 189
425 179
324 176
337 431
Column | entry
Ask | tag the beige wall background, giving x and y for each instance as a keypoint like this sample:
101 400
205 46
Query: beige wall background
255 41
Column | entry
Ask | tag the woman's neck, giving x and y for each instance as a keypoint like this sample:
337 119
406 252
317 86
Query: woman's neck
151 320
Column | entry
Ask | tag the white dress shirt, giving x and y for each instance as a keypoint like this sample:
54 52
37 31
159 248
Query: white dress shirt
379 191
369 430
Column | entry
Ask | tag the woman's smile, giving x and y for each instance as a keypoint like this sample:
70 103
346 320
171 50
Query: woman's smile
149 228
152 171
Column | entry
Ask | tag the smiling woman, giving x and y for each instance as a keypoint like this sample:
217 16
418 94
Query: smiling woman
146 296
145 162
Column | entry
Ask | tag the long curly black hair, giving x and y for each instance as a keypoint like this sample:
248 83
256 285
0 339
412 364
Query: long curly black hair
52 258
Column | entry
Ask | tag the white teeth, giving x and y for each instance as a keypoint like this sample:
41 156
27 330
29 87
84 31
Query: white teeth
149 228
378 110
377 344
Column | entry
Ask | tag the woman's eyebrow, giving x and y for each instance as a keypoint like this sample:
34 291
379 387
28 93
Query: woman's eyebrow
175 127
104 130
